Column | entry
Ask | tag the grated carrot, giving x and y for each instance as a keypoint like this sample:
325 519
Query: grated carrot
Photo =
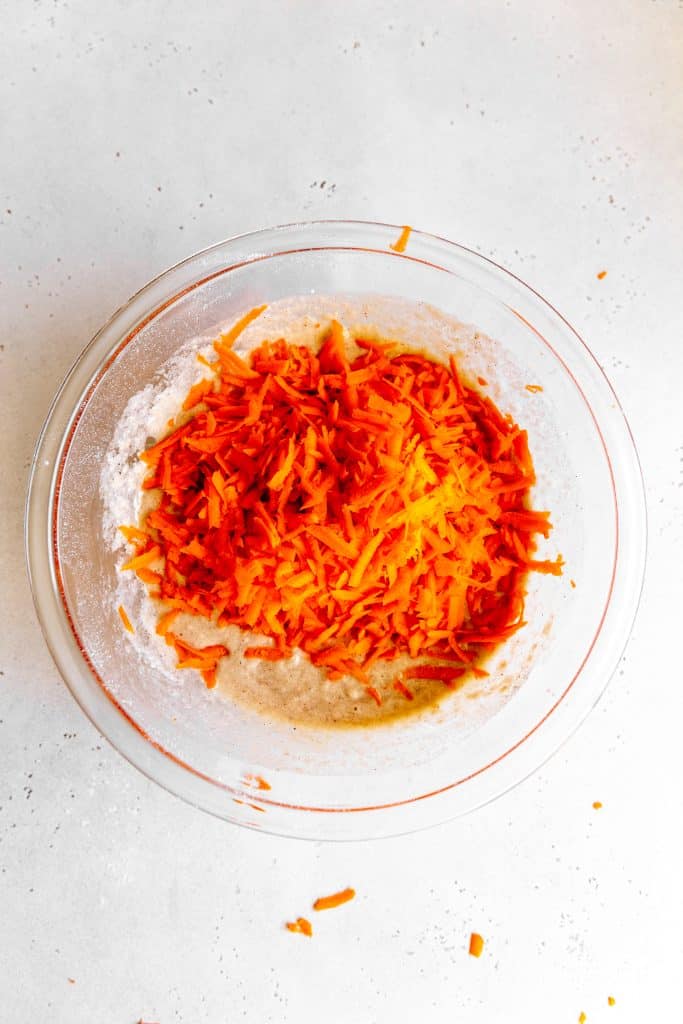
401 242
582 1018
601 275
256 781
301 925
336 900
476 944
533 388
597 804
402 688
611 1000
355 509
125 620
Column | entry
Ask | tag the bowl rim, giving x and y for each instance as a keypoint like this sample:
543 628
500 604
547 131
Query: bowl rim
57 447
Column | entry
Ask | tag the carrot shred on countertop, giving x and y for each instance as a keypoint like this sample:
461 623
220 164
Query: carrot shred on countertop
301 925
601 275
534 388
611 1000
597 804
127 624
401 242
476 944
335 900
357 507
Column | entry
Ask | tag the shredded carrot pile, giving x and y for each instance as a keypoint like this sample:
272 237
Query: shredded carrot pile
336 900
476 944
300 925
357 508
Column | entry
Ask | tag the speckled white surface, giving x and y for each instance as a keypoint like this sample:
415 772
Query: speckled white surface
547 136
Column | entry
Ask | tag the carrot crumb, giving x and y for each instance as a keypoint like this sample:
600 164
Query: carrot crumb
533 388
476 944
572 584
125 620
401 242
256 781
301 925
597 805
336 900
483 381
611 1000
602 275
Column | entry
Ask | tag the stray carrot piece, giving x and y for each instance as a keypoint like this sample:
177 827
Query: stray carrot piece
134 536
601 275
336 900
125 620
301 925
197 393
256 781
476 944
572 584
401 242
597 804
611 1000
483 381
372 692
143 560
402 688
533 388
231 336
267 653
582 1018
164 623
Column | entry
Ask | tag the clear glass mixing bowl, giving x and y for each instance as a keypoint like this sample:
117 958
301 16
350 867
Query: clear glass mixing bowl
353 783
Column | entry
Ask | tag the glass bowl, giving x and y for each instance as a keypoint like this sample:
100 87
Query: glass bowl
477 743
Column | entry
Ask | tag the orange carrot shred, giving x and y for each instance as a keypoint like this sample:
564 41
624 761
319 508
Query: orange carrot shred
597 805
256 781
483 381
476 944
534 388
301 925
402 688
401 242
125 620
372 692
601 275
611 1000
582 1018
336 900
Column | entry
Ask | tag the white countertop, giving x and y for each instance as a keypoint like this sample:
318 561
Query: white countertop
545 135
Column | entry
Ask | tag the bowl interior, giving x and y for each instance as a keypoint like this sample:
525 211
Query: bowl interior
219 742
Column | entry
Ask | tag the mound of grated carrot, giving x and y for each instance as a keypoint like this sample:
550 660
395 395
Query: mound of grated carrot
354 507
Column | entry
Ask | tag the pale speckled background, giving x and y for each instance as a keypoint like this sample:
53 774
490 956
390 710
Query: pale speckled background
546 135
